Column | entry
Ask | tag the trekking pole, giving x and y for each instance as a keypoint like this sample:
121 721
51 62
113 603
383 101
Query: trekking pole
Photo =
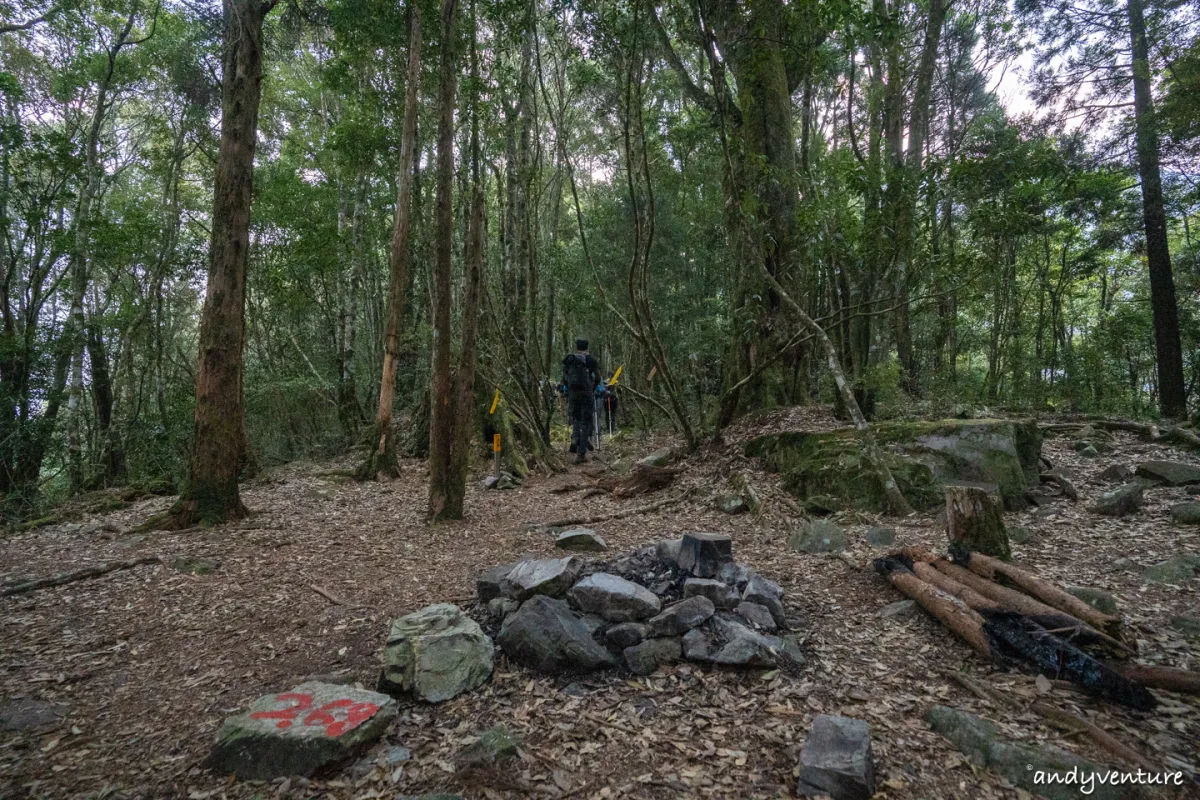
596 420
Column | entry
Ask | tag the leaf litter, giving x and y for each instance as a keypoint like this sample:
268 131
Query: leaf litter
150 660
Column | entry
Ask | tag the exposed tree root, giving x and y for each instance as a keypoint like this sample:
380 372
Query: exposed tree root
629 512
79 575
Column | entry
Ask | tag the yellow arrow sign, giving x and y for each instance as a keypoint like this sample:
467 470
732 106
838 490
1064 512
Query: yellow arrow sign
616 376
495 401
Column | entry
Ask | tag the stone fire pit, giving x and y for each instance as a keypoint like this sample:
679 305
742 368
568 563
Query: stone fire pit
685 599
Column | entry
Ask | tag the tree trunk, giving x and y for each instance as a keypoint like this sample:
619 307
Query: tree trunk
974 519
211 495
1172 393
383 457
441 389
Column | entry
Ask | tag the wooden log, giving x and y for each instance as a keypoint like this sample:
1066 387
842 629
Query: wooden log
1172 680
975 520
973 599
1048 593
1011 600
79 575
950 611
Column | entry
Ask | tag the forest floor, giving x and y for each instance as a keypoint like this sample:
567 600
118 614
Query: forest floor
147 662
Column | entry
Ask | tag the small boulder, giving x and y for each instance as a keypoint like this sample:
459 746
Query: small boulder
659 458
837 759
720 593
436 653
1186 513
678 619
818 536
735 574
1177 571
547 636
495 745
767 594
731 504
697 645
901 609
1019 534
756 616
490 584
1116 473
300 731
196 566
880 537
548 576
703 554
1086 450
1118 502
613 598
1187 625
580 540
644 658
627 634
1172 473
28 715
667 551
735 645
1098 599
500 607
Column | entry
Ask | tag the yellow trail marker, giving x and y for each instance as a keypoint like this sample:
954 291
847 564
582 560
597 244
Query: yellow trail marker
496 443
495 402
616 376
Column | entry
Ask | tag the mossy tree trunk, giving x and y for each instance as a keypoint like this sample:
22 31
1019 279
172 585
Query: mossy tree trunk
974 520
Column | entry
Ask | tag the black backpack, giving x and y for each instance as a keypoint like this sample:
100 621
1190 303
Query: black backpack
576 372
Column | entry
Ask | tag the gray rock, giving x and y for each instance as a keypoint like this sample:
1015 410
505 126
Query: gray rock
436 653
1086 450
300 731
703 554
901 609
644 658
720 593
1186 513
1116 473
627 634
613 598
500 607
490 584
756 616
549 576
667 551
1187 625
1098 599
837 760
735 574
1023 765
736 645
581 540
495 745
659 458
1172 473
1018 534
595 623
766 593
1118 502
1124 564
397 755
547 636
731 504
880 537
697 646
1177 571
196 566
678 619
818 536
28 715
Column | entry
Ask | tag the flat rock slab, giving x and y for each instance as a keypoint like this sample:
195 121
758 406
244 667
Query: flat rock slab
720 593
614 598
580 540
678 619
436 653
703 554
1098 599
880 537
644 658
300 731
1177 571
818 537
548 576
1119 502
546 635
756 616
1172 473
1186 513
736 645
837 759
766 593
28 715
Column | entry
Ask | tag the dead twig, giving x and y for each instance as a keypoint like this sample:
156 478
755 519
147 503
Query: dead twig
629 512
337 601
79 575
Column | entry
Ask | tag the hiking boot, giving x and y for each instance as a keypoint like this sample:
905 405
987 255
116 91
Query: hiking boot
580 458
571 449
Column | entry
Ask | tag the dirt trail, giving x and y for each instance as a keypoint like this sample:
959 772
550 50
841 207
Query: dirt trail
151 659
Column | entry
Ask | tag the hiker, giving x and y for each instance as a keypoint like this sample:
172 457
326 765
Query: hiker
581 376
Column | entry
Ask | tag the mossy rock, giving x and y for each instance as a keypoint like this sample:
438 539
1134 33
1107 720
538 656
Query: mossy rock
923 457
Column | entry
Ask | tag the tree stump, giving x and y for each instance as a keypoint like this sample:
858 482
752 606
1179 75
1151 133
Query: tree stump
975 520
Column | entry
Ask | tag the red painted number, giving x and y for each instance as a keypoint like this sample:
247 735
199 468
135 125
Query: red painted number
337 716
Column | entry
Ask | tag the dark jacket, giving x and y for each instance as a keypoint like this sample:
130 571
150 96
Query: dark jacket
591 366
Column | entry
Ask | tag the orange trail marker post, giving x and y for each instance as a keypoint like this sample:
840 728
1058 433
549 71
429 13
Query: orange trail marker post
496 455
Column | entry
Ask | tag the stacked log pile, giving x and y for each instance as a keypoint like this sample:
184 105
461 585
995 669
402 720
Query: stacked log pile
1015 618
